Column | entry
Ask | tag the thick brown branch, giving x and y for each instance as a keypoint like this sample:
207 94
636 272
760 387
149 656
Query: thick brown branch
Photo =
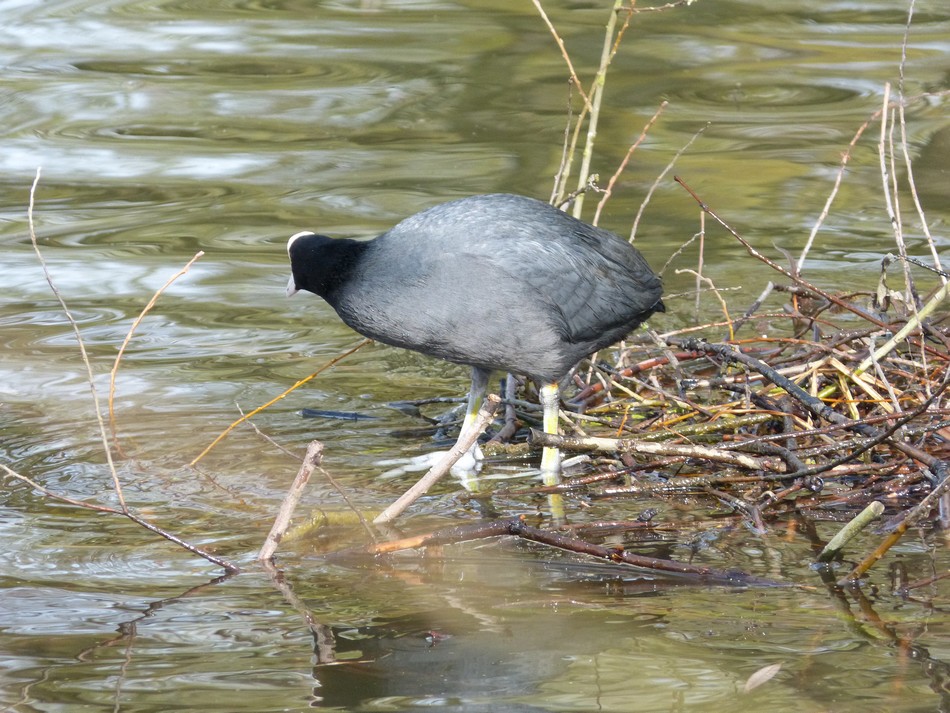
633 445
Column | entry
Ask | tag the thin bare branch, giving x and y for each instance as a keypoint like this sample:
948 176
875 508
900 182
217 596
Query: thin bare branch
103 435
564 53
597 97
659 179
128 338
608 191
335 360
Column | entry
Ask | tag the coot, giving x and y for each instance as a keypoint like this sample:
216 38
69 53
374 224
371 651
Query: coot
498 282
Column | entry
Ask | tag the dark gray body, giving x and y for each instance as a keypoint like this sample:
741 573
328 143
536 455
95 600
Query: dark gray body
499 282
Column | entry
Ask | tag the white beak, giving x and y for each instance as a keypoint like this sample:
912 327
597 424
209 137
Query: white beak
291 285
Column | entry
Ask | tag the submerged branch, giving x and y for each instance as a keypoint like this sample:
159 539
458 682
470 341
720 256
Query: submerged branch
518 528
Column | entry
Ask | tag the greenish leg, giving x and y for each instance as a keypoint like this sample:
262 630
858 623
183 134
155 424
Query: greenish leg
550 457
466 467
476 397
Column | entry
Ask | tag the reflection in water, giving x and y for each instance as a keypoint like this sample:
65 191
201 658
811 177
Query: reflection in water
168 127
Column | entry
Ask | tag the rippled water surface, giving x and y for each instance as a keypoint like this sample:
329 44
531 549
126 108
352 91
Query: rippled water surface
165 128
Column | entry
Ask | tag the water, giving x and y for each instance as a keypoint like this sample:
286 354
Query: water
164 128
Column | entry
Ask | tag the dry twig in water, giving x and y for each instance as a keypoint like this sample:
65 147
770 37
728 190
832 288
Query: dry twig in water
244 417
123 508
